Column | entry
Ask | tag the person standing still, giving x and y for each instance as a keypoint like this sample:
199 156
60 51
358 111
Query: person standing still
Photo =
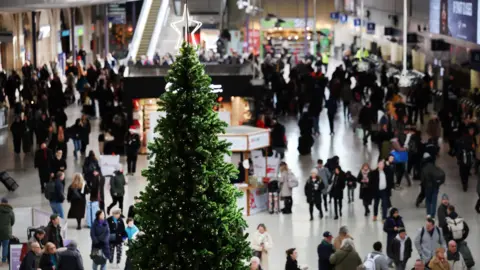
132 144
7 220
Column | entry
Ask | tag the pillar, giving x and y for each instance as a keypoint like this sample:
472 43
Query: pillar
34 39
134 15
106 31
305 42
72 36
405 33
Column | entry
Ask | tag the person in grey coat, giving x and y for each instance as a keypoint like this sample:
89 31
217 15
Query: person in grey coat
324 174
381 260
70 259
428 239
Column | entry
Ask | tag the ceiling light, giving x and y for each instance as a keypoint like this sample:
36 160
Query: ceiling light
296 37
280 28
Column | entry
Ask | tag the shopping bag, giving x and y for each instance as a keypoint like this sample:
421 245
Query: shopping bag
92 208
400 156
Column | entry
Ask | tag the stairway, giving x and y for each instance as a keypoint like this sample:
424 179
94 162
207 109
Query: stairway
149 28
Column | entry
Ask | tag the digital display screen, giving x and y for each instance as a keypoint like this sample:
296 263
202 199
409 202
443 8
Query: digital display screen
455 18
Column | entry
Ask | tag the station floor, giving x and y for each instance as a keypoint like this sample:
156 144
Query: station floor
287 231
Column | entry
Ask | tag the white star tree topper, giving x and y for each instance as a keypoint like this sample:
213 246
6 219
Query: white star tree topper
186 19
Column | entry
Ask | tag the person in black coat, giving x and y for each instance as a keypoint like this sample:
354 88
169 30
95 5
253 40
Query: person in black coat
336 192
366 119
49 258
132 145
351 182
366 192
313 192
96 186
291 263
29 261
395 249
305 141
332 111
90 165
76 196
42 129
61 118
117 234
324 251
43 162
278 138
85 133
382 184
18 130
58 163
100 234
392 226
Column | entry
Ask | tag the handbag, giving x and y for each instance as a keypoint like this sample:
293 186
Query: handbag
98 257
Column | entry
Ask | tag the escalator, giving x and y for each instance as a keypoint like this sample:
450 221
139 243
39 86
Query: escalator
149 27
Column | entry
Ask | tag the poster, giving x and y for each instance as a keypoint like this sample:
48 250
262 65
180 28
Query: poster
17 252
265 167
258 200
455 18
109 164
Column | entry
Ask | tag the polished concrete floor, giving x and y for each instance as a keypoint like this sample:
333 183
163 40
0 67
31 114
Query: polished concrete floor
286 230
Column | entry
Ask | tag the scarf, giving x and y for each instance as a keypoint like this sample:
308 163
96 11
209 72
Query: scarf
453 256
365 176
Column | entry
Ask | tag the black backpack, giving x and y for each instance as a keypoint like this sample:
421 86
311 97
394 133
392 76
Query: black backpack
50 190
438 176
467 158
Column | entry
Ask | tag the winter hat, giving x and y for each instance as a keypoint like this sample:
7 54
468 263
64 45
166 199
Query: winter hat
4 200
255 259
445 197
314 171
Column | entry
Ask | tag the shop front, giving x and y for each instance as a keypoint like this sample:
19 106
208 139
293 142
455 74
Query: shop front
238 98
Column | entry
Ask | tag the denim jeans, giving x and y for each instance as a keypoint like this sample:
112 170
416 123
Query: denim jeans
382 195
77 146
4 244
102 266
316 125
57 208
431 197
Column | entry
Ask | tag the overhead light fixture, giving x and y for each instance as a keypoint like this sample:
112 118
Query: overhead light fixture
308 28
289 37
296 37
309 37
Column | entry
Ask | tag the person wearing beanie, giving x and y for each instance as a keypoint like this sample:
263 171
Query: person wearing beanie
255 263
70 259
392 226
442 210
132 146
400 249
7 220
313 192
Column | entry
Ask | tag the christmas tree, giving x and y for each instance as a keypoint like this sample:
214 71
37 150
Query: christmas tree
188 212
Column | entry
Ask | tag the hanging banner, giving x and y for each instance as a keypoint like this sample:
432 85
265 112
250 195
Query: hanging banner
17 253
109 164
334 15
371 28
343 18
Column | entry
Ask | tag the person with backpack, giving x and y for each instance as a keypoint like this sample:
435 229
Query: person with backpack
400 249
432 178
325 175
336 190
287 181
455 258
313 192
428 239
455 227
117 190
466 157
376 260
54 193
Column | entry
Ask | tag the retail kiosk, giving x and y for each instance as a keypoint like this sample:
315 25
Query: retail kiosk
244 140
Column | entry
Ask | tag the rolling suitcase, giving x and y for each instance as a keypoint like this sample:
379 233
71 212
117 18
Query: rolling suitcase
92 208
8 181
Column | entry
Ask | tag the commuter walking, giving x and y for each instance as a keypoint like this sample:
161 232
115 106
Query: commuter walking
428 239
117 190
432 178
262 243
7 220
100 234
54 193
70 259
43 162
117 235
313 192
132 144
324 251
346 258
400 249
77 197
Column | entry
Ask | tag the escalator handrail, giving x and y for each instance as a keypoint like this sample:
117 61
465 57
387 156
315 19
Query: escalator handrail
152 47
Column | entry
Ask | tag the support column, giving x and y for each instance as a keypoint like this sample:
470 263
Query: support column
106 31
247 32
134 15
405 32
362 10
315 27
72 36
34 39
305 41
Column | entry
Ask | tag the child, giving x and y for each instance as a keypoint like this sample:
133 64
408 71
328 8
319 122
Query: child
131 229
351 185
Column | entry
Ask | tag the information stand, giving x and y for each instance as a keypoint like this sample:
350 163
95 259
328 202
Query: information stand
245 140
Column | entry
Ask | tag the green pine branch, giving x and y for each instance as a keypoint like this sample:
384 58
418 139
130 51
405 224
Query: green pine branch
188 211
